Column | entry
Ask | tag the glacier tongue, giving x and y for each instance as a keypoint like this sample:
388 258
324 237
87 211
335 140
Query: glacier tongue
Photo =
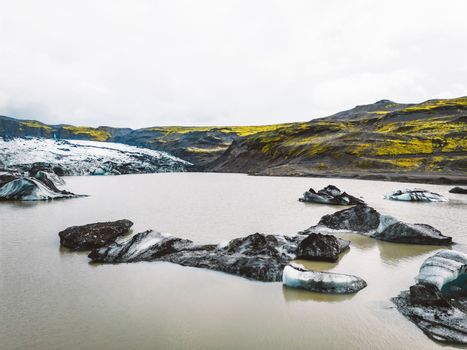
86 157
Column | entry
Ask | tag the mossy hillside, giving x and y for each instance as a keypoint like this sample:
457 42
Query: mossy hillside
35 128
434 105
409 139
198 145
238 130
88 133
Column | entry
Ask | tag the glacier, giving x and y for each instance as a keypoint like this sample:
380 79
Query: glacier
73 157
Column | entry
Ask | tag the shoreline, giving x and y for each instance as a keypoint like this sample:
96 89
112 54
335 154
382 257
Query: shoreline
431 179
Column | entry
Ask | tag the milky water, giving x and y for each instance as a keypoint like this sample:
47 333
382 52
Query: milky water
51 298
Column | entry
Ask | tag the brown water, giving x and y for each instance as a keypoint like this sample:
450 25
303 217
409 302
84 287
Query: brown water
51 298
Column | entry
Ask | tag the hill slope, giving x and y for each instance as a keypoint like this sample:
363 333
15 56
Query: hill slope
377 140
423 141
198 145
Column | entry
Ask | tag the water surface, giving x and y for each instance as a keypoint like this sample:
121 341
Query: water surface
51 298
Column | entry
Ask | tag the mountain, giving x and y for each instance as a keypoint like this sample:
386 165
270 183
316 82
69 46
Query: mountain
198 145
380 140
387 140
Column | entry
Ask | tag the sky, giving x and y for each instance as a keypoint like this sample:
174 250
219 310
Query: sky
138 63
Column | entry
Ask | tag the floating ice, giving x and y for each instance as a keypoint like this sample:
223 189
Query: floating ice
443 267
323 282
30 189
415 195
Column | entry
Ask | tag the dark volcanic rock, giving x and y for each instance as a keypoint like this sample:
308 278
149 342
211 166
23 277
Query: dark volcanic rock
368 221
446 324
427 294
459 190
360 218
330 195
295 276
144 246
94 235
321 247
401 232
442 316
258 256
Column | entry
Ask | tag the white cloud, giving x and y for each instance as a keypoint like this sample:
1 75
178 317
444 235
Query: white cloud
143 63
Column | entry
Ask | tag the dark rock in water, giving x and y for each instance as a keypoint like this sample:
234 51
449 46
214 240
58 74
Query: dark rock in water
443 317
445 324
360 218
144 246
415 195
459 190
401 232
260 257
330 195
321 247
94 235
365 220
427 294
295 276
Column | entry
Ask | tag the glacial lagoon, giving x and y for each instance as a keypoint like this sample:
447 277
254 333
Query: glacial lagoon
51 298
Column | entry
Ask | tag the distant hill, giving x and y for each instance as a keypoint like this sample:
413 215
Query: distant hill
198 145
380 140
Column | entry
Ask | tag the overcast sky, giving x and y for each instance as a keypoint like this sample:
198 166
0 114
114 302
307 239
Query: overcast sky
146 63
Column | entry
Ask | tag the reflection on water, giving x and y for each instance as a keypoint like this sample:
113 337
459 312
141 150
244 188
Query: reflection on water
393 253
292 294
52 298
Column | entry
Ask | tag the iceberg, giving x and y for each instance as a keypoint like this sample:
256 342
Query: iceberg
415 195
31 189
443 267
295 276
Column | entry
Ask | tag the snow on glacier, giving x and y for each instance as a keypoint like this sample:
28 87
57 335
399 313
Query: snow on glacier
86 157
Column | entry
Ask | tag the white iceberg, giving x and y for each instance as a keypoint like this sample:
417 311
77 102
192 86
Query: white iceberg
30 189
295 276
415 195
443 267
